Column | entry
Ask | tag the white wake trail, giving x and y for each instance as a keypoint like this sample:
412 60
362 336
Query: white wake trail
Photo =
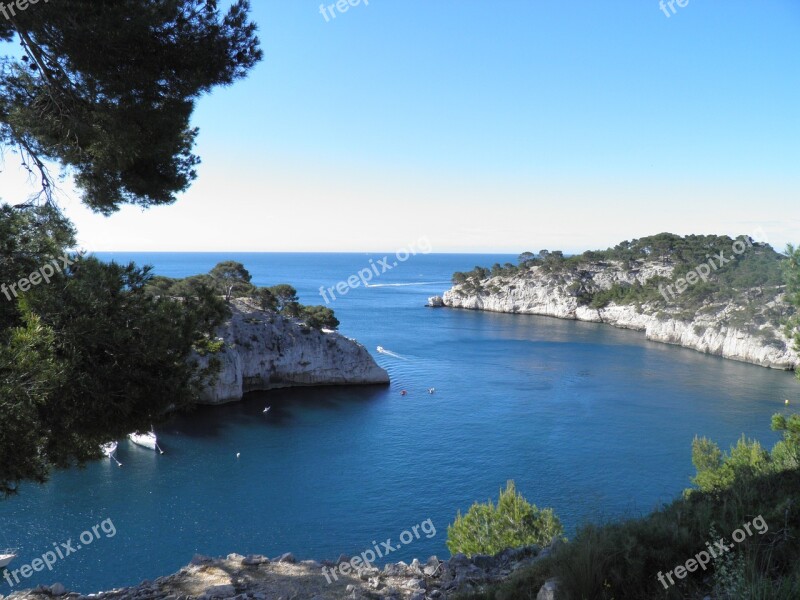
383 350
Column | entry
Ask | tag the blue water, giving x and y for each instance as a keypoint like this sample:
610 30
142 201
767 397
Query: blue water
592 421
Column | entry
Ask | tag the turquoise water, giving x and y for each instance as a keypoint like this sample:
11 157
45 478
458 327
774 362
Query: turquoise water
592 421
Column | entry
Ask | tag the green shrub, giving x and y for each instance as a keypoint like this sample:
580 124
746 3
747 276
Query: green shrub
513 522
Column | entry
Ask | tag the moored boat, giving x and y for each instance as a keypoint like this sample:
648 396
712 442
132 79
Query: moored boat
109 448
146 440
6 556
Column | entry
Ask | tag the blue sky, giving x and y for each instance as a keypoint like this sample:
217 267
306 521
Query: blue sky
491 126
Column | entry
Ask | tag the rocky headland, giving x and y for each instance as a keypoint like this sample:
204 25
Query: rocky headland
747 326
264 350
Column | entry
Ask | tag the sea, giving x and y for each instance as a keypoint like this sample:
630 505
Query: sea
591 421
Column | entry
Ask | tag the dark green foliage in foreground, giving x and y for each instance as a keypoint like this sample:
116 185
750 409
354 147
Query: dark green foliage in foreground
107 90
621 560
511 523
232 280
756 271
88 356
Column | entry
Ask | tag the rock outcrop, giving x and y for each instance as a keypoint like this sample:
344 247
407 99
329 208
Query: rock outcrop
265 351
708 330
257 577
436 302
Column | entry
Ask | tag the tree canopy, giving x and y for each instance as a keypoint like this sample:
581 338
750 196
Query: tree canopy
106 89
231 279
86 354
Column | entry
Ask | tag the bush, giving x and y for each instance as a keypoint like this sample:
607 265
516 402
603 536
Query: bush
513 522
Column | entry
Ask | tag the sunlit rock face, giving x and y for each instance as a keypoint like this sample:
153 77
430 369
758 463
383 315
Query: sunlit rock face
264 351
537 292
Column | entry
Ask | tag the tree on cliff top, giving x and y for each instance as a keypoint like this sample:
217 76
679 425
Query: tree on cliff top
231 278
106 89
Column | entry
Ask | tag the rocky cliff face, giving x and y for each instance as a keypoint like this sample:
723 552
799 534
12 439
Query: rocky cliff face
708 330
264 351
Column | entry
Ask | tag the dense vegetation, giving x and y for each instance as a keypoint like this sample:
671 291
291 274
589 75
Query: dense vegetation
748 277
87 354
622 560
230 279
104 91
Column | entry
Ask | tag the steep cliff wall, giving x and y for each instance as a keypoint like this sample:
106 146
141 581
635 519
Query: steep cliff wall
264 351
709 329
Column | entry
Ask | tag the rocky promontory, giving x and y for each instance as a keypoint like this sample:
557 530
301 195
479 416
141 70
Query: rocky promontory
263 351
740 323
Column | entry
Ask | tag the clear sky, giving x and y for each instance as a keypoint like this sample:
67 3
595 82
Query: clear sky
496 126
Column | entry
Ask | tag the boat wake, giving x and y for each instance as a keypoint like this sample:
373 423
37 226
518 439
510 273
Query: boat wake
383 350
377 285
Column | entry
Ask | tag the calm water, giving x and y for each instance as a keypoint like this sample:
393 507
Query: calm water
592 421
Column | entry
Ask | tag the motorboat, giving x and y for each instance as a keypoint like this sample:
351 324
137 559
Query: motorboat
6 556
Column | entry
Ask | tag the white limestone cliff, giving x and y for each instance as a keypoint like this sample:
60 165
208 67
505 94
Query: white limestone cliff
537 292
265 351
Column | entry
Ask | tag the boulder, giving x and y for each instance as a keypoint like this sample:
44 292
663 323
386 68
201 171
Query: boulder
549 590
58 589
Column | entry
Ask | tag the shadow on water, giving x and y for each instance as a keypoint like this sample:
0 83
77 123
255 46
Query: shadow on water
209 421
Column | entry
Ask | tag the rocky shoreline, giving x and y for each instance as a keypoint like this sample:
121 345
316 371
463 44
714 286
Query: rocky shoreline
265 351
539 292
256 577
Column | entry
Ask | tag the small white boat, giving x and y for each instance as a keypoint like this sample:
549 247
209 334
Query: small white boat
380 349
146 440
6 556
266 410
109 448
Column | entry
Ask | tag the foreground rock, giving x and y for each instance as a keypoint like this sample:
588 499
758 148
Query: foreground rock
264 351
536 292
259 578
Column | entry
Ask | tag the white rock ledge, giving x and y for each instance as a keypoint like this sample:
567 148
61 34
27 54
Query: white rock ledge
264 351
